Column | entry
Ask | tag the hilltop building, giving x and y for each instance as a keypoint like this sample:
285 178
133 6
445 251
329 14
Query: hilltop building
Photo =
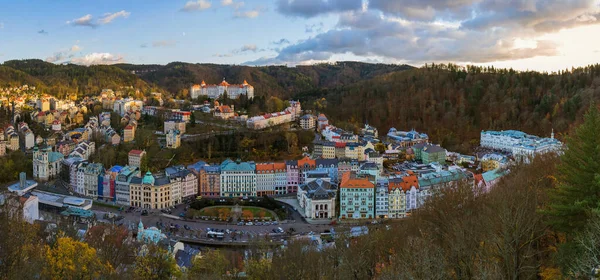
216 91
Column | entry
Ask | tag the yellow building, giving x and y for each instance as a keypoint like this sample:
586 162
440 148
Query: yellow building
150 192
489 164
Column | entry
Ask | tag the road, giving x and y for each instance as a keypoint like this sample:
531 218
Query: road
198 228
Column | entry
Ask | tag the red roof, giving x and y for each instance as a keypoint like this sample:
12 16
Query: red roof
135 152
340 144
129 127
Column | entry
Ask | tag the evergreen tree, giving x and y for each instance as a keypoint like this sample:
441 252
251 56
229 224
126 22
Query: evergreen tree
193 120
578 175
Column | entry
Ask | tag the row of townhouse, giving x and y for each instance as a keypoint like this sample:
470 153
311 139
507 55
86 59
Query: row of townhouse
364 197
362 150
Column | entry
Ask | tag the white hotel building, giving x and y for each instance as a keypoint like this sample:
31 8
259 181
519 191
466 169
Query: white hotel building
518 143
216 91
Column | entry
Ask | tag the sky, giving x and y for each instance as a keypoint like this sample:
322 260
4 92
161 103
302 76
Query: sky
543 35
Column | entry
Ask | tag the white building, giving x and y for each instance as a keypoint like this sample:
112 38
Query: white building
122 184
265 179
238 179
518 143
216 91
308 122
46 164
317 199
381 199
135 158
91 180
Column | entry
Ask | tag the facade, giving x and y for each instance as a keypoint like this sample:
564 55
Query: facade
402 195
174 124
173 139
151 192
292 175
122 184
238 179
46 164
128 133
330 166
210 181
308 122
280 177
520 144
135 158
268 120
187 180
381 199
265 179
93 180
356 198
224 112
317 199
216 91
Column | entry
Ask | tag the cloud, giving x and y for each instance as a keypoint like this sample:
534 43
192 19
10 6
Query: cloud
64 55
43 32
235 5
98 59
247 14
198 5
164 43
419 31
144 45
75 48
108 17
281 41
223 55
83 21
310 28
88 20
312 8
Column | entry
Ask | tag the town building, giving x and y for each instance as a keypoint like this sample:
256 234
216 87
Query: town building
407 138
493 161
46 163
238 179
520 144
381 199
151 191
187 180
304 165
122 184
356 197
317 199
322 122
403 194
128 133
223 112
369 131
292 175
173 139
216 91
92 181
174 124
265 179
308 121
429 153
135 158
330 166
210 181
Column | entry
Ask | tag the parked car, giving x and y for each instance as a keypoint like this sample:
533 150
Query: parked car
259 223
186 227
275 223
240 223
182 214
266 224
249 223
280 230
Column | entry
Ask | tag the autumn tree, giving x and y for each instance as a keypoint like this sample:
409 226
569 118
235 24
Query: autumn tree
210 265
70 259
113 245
155 263
578 175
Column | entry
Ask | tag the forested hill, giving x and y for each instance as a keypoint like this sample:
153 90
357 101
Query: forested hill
454 105
280 81
60 80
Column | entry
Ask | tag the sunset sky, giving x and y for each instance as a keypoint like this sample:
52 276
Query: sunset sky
544 35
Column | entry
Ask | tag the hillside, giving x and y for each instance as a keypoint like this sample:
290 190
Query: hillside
280 81
454 105
64 79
